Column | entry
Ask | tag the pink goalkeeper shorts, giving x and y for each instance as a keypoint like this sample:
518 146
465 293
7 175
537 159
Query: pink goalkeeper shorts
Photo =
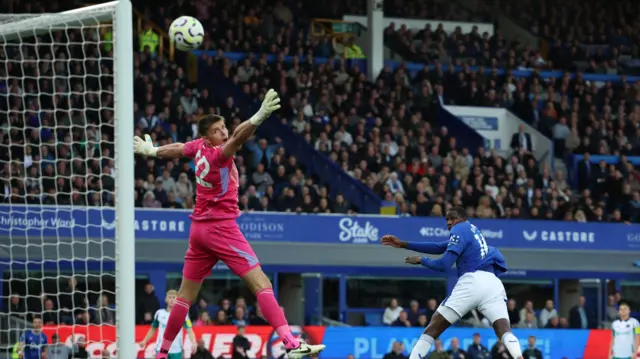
213 241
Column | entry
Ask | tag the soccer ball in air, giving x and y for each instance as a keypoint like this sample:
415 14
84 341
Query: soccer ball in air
186 33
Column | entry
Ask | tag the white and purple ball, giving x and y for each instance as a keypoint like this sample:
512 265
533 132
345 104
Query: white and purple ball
186 33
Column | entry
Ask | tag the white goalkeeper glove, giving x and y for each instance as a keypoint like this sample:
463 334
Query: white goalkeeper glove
270 104
144 147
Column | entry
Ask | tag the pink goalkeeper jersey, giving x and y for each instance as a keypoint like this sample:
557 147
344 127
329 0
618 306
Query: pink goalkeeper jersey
216 182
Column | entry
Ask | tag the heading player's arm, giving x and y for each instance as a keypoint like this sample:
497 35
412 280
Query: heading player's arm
455 246
441 264
245 130
428 248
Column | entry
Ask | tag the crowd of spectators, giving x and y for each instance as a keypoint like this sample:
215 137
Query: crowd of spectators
580 316
384 133
57 133
78 304
598 35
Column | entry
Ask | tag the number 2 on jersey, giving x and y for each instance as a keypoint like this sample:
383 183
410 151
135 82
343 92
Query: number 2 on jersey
202 170
483 244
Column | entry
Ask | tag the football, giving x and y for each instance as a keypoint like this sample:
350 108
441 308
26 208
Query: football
186 33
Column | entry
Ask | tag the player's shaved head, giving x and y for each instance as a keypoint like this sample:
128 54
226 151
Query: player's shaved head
457 212
205 123
455 215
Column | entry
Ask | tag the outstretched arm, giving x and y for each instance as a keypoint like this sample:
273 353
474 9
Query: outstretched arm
145 147
245 130
427 248
441 264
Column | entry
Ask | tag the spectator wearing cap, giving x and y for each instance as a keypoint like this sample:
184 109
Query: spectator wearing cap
58 350
476 350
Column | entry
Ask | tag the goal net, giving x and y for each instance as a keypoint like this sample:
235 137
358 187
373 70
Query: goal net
66 164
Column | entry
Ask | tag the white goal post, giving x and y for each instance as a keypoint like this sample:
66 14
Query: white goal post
66 160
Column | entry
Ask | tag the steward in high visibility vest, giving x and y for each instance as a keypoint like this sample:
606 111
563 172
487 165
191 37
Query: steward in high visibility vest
149 38
107 38
354 51
14 351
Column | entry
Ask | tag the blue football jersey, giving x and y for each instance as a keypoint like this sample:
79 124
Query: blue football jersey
473 252
34 344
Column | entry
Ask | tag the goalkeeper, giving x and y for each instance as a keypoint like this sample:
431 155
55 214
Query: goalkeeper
160 320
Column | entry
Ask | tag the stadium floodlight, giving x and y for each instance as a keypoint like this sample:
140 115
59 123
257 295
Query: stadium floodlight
66 159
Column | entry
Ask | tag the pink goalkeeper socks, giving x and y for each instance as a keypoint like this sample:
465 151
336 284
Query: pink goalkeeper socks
176 321
274 315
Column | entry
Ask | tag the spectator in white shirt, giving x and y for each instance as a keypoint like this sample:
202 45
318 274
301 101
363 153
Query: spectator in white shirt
189 102
344 136
394 184
389 143
547 313
323 140
392 312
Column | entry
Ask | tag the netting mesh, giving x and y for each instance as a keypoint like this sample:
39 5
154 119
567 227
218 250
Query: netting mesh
57 179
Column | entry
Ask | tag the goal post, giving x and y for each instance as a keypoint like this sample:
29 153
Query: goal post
66 172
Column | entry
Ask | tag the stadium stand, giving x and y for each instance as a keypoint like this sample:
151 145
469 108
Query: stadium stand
340 143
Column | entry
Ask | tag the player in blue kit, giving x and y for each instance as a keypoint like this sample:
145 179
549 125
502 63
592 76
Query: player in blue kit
33 342
478 286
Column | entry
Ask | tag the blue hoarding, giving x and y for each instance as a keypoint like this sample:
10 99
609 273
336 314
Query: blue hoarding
161 224
374 343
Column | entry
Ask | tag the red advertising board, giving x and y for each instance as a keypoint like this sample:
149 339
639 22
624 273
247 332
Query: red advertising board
266 344
217 339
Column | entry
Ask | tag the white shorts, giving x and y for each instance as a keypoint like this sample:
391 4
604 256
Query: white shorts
476 290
